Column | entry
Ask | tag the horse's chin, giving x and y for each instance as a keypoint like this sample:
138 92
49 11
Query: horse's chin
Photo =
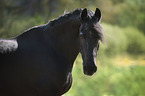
88 74
89 69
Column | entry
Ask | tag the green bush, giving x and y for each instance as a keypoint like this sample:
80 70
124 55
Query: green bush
136 41
122 40
115 38
14 25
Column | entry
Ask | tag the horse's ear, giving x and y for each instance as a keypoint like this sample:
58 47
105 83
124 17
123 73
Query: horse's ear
97 14
84 14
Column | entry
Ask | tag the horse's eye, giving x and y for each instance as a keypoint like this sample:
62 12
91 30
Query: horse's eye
81 35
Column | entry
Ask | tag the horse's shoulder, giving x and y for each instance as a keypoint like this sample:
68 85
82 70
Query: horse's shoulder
8 45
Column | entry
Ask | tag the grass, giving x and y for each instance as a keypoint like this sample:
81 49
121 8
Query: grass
119 76
129 61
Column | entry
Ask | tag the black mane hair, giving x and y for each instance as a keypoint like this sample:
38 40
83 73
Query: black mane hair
63 18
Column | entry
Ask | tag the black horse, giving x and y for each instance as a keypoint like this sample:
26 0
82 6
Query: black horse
39 62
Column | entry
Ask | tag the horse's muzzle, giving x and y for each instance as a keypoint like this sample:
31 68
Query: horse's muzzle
89 69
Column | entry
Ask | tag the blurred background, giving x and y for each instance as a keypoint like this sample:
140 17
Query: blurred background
121 61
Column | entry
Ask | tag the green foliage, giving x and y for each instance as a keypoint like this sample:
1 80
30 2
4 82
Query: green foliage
120 12
133 14
121 40
14 25
136 41
115 39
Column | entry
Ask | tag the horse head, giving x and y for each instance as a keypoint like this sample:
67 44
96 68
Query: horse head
90 36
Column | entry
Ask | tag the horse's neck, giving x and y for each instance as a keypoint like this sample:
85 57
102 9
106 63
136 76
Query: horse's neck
67 35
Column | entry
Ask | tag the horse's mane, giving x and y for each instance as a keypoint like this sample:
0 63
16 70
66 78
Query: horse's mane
55 22
65 17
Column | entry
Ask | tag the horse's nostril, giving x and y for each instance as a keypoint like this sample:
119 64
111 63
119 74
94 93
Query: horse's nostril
90 70
95 69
